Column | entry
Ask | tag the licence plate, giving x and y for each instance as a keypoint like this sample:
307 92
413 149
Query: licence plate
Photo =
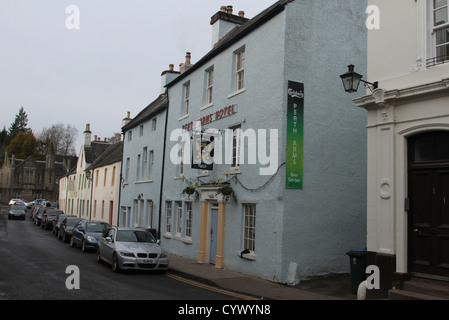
148 261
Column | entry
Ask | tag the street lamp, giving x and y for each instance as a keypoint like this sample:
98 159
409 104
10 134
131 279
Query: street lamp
352 79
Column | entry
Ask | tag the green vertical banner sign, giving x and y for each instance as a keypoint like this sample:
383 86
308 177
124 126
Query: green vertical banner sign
295 136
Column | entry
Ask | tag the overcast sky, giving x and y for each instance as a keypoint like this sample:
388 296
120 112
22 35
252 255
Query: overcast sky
110 65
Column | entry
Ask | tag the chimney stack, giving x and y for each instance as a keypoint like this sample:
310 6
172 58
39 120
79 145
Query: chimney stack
183 67
87 135
224 21
168 76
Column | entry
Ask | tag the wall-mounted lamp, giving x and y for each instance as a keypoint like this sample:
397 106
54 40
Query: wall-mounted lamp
352 79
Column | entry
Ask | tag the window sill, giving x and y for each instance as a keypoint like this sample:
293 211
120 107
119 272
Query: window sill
185 240
201 175
235 171
236 93
247 256
207 106
179 177
183 117
144 181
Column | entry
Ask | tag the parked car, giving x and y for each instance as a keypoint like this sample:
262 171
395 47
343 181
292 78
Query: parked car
17 201
87 233
58 222
34 210
36 202
66 228
51 204
17 211
49 217
131 248
37 216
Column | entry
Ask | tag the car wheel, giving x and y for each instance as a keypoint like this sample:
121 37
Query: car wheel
98 256
115 266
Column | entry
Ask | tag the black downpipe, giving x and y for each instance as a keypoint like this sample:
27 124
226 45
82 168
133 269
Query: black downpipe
163 168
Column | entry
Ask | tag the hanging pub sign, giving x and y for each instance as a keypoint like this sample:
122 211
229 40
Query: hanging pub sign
295 136
203 151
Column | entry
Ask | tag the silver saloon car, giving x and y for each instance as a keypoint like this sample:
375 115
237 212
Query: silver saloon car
131 248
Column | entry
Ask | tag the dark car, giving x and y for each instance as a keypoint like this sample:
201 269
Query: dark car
87 233
66 228
17 211
58 222
49 217
34 209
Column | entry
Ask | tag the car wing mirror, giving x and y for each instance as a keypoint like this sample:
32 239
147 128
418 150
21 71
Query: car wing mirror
109 239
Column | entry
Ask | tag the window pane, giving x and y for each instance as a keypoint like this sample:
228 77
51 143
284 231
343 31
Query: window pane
441 16
439 3
442 36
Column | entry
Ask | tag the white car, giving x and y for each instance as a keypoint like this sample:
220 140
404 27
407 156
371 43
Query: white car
17 201
131 248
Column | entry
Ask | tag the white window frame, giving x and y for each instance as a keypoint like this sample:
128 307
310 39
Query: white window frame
128 161
240 70
426 51
150 164
145 166
186 100
209 86
153 124
249 226
189 219
442 27
168 216
178 218
236 147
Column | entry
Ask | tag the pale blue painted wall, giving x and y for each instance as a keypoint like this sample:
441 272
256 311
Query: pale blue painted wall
310 42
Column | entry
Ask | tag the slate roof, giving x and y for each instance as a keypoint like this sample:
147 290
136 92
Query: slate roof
111 155
96 148
235 35
152 109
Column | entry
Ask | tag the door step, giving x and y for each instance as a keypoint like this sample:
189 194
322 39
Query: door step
421 289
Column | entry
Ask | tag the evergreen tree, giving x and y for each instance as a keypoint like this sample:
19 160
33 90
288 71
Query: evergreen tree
19 125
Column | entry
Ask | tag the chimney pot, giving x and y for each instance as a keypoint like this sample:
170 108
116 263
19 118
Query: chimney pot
87 127
171 67
188 56
128 114
242 14
229 9
95 138
223 9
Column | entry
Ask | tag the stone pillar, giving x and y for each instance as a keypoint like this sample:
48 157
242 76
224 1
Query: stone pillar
202 254
220 235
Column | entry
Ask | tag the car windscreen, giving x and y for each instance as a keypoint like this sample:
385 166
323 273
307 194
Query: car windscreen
95 226
18 208
134 236
71 222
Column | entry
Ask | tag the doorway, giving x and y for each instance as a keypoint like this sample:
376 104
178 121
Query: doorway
428 189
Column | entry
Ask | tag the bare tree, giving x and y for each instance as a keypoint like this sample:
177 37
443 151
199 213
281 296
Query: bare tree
62 137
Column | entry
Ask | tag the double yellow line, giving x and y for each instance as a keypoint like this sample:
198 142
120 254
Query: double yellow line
210 288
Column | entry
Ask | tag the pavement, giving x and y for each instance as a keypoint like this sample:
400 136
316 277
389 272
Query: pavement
333 287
